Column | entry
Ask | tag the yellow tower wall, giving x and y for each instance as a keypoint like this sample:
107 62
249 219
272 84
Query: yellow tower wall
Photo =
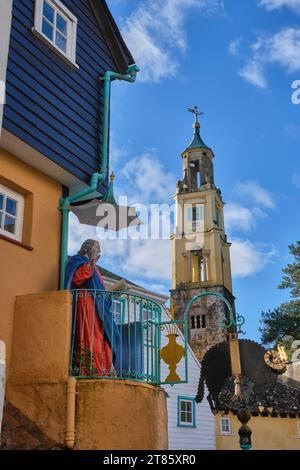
34 266
211 240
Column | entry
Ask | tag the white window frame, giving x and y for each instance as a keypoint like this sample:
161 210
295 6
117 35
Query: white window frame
186 424
7 192
227 420
59 7
115 313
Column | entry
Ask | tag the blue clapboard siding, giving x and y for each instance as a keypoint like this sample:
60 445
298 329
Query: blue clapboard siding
57 110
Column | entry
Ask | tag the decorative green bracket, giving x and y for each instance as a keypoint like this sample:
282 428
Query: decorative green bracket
227 323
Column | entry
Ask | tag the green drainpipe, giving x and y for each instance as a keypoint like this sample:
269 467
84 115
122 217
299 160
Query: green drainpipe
96 178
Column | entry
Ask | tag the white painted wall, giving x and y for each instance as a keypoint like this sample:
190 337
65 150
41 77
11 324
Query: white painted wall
5 24
2 380
202 437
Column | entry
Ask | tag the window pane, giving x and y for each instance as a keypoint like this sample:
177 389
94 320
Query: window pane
189 406
117 306
61 25
225 425
1 218
9 224
47 29
189 418
145 314
182 417
1 201
61 42
48 12
11 206
182 406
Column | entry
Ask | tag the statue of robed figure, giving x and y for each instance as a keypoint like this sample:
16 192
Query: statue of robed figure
95 336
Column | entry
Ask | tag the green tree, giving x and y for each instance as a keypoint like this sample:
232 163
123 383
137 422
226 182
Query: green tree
282 324
291 278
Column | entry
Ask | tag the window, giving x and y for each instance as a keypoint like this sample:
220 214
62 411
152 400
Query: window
196 217
218 218
225 425
117 311
198 322
11 213
57 26
186 412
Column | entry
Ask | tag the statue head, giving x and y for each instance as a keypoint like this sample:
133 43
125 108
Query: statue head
91 249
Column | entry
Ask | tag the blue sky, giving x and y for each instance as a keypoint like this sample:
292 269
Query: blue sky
237 61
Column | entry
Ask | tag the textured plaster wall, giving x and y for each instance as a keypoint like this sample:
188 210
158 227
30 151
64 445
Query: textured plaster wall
39 372
114 414
27 271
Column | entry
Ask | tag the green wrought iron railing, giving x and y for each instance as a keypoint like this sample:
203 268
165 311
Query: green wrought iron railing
115 335
120 335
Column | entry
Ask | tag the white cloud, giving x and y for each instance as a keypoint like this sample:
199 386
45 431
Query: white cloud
253 73
277 4
234 47
78 233
146 179
282 48
151 259
238 217
296 180
155 33
248 258
255 193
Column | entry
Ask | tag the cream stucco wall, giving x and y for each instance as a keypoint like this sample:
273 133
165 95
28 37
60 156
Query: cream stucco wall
211 239
23 270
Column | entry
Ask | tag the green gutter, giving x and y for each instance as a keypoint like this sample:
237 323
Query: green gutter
96 178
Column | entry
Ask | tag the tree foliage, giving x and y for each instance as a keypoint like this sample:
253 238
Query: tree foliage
291 278
280 322
284 321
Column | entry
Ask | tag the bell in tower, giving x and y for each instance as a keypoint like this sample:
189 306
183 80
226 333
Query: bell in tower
201 252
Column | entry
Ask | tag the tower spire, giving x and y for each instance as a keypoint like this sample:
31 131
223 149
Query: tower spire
196 141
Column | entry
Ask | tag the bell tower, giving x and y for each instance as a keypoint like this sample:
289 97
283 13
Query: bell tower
201 257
